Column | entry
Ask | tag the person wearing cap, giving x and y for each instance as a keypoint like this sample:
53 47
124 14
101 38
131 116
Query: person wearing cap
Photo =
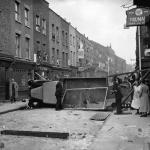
59 94
118 95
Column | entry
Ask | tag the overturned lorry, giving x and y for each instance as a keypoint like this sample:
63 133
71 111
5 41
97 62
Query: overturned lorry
78 92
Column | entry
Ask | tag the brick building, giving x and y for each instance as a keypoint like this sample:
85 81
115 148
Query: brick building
145 47
16 34
41 36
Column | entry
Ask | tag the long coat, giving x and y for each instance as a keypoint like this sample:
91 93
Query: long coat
136 97
59 89
13 89
144 98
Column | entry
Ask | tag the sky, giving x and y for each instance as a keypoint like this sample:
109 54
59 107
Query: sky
101 21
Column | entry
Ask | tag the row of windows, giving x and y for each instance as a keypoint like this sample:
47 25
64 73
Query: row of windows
65 39
55 33
40 27
38 24
72 40
27 18
56 57
18 14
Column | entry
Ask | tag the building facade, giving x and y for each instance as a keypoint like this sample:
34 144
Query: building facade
16 32
65 42
41 36
58 46
72 46
144 47
33 38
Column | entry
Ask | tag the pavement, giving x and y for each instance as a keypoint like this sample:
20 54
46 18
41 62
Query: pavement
9 107
119 132
124 132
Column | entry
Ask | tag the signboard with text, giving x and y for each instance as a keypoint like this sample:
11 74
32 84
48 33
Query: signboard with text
137 16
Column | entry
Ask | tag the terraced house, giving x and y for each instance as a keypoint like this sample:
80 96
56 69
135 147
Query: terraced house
33 38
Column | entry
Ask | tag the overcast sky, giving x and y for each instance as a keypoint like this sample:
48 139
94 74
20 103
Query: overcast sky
100 20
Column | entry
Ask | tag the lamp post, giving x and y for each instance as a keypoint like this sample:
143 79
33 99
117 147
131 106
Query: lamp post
139 44
108 65
108 68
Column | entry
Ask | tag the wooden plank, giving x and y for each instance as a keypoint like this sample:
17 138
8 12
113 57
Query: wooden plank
36 134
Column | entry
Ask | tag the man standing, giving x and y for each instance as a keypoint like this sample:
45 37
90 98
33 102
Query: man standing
118 95
13 90
59 94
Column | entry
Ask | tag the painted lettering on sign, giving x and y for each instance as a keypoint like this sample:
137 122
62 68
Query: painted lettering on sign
137 16
137 19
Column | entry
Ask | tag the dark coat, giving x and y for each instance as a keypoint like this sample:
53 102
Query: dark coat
59 89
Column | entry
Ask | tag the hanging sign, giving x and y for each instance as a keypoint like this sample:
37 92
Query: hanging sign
137 16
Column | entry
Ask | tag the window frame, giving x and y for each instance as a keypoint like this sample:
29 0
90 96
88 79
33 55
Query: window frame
17 45
27 48
27 20
44 26
37 23
17 11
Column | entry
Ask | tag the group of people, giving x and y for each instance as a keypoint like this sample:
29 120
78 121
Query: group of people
141 98
13 90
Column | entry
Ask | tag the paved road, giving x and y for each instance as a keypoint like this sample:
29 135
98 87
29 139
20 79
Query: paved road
81 129
124 132
119 132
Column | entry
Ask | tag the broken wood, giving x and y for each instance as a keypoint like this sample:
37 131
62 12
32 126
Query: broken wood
36 134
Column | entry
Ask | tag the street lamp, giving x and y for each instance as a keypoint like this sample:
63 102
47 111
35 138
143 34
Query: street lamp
108 59
108 65
139 43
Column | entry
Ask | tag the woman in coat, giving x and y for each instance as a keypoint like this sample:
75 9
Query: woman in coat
136 97
144 99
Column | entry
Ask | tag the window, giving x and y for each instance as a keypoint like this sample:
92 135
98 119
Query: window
57 34
17 43
44 26
66 59
63 38
37 45
26 14
38 23
74 59
70 39
53 55
66 40
57 53
71 57
73 41
17 11
58 57
27 48
38 50
63 58
45 55
53 32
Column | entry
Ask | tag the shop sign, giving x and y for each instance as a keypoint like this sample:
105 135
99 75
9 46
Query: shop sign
81 69
43 68
137 16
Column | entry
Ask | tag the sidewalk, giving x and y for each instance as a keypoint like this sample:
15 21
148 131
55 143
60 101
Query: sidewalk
124 132
8 107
